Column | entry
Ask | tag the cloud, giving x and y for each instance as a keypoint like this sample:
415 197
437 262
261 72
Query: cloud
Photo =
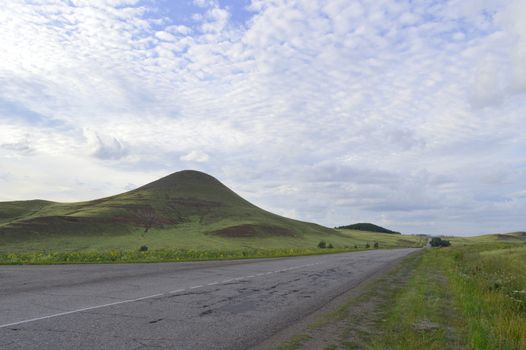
196 156
20 148
401 112
110 149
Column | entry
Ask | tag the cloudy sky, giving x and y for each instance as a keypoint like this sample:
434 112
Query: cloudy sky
409 114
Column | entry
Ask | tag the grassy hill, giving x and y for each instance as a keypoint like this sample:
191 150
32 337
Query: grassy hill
185 210
511 237
365 226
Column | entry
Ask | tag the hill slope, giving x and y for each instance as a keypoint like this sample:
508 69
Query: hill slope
365 226
511 237
187 209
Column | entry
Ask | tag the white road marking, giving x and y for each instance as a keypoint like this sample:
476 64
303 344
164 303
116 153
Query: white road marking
145 297
176 291
81 310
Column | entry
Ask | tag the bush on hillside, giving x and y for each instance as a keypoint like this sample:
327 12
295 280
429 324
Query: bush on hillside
143 248
439 242
330 246
376 245
367 246
322 244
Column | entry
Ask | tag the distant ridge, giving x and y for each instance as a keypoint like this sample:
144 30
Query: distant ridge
366 226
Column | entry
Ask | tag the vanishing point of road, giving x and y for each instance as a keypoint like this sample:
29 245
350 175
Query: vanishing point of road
197 305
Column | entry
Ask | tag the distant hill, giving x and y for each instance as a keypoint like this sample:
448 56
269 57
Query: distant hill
185 209
365 226
510 237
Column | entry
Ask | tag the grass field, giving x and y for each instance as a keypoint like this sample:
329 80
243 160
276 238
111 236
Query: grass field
187 244
511 237
190 236
164 255
465 297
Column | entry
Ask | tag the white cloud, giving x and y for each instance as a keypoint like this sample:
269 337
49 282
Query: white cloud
110 148
195 156
394 110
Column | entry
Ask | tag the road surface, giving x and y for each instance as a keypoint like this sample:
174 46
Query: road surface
198 305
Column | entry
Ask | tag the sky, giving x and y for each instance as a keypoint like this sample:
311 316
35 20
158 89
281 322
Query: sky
408 114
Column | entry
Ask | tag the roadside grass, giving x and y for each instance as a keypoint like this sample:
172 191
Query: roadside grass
484 285
422 314
151 256
464 297
490 286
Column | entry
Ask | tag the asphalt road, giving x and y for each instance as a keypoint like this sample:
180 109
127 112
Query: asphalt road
200 305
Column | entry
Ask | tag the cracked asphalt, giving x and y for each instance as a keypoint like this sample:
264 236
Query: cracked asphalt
198 305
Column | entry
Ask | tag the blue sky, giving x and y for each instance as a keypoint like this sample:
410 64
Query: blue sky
407 114
181 12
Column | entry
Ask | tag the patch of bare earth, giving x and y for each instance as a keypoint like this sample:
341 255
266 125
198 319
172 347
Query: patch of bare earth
248 230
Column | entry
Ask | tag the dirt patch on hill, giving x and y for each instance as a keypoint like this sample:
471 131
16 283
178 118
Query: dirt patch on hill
249 230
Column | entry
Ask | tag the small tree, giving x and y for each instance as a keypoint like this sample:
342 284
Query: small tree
330 246
367 246
355 246
143 248
439 242
147 217
376 245
322 244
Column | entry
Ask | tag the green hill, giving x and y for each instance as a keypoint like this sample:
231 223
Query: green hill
365 226
511 237
187 209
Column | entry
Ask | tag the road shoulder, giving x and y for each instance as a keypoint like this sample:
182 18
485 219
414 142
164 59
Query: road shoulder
325 325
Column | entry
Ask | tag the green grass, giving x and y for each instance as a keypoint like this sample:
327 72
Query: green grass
476 294
490 286
151 256
190 236
182 245
465 297
385 240
294 342
512 237
421 315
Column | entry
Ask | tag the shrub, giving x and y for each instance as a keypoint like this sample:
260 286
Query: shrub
143 248
322 244
330 246
439 242
376 245
367 246
355 246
